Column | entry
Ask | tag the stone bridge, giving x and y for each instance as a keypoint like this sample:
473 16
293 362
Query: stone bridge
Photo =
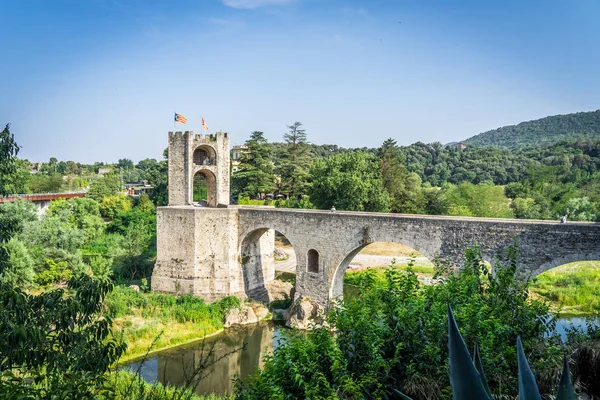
226 251
211 249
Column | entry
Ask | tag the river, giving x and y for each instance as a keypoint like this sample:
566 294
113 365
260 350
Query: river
173 366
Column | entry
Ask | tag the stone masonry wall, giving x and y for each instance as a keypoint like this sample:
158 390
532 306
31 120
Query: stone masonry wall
213 252
182 168
178 155
339 236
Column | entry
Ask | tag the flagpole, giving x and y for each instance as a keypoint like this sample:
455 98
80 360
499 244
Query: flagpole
173 121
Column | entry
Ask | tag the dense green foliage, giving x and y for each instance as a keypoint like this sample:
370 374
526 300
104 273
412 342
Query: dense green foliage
56 344
255 174
8 161
72 237
295 161
350 181
549 130
391 338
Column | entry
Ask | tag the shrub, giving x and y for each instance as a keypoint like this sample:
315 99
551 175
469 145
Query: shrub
391 337
122 299
111 206
20 264
53 273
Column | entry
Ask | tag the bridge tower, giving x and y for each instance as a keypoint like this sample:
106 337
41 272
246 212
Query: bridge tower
192 156
198 249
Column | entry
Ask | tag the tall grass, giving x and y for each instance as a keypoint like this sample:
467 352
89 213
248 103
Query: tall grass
130 386
571 288
163 320
377 273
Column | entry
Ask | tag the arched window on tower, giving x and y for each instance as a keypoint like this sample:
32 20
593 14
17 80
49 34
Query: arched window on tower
204 155
313 261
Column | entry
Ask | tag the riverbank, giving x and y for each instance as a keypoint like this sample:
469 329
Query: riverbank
571 289
154 322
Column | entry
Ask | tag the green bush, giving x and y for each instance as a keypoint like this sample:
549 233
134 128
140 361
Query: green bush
53 273
393 335
122 299
20 271
128 386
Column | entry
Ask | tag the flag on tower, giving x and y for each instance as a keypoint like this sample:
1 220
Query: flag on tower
204 126
180 118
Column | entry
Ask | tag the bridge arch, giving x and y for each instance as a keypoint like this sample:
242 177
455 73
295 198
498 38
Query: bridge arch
205 187
337 281
257 261
204 155
566 259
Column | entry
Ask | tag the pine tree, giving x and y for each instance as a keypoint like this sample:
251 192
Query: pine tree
295 161
403 187
255 174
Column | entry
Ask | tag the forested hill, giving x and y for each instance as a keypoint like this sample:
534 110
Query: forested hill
545 131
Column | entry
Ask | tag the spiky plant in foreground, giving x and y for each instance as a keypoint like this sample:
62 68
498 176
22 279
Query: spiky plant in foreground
468 378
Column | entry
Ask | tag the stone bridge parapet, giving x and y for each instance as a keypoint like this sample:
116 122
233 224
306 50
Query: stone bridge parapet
217 252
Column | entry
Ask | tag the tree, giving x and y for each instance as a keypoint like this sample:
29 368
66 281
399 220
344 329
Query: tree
350 181
483 200
105 186
403 187
255 174
125 163
388 338
8 159
295 161
8 166
59 342
581 209
53 183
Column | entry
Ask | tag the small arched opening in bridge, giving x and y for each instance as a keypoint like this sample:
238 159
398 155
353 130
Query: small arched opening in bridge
313 260
571 288
267 256
377 255
205 188
204 155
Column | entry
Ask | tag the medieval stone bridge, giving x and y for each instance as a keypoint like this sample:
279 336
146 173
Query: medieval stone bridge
219 249
213 252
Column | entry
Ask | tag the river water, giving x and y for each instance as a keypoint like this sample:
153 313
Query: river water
174 366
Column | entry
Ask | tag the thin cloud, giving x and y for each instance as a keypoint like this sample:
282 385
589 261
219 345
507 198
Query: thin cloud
252 4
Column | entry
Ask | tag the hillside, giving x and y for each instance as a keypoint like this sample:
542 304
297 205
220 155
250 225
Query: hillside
543 131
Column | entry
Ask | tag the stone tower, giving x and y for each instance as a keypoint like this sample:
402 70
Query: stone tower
192 155
197 247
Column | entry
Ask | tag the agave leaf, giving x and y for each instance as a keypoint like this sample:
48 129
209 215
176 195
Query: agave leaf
402 395
528 389
566 391
466 384
479 367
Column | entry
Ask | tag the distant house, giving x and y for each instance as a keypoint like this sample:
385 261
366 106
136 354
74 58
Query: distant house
236 154
458 146
35 167
103 171
135 189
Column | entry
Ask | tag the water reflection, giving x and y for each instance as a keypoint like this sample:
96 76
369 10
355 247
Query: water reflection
564 323
175 366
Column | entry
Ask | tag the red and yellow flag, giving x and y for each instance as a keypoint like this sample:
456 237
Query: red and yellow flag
204 126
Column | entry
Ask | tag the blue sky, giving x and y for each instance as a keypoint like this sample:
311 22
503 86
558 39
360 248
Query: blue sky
99 80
